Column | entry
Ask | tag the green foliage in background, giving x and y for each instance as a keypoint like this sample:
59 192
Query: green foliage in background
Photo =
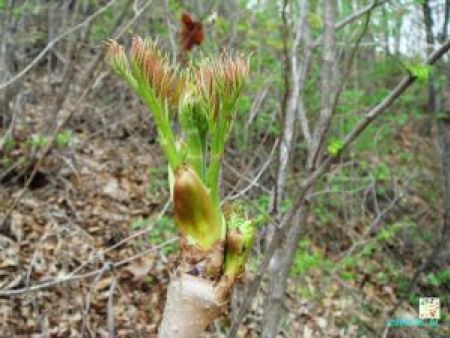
159 232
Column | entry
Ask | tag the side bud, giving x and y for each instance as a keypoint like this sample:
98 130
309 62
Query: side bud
238 244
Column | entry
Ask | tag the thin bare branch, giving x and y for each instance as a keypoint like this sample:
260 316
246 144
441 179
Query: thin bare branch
70 277
52 43
363 11
110 309
286 223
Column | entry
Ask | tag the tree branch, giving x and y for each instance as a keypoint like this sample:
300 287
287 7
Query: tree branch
73 277
52 43
286 223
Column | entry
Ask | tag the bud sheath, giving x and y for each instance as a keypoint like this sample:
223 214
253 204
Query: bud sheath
195 213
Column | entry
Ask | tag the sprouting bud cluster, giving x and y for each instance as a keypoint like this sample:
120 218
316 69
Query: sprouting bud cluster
204 97
220 82
149 62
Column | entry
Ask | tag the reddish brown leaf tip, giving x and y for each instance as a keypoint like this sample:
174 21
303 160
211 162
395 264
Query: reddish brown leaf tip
191 32
186 19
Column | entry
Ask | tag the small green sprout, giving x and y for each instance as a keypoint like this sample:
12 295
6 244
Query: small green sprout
239 241
421 71
38 141
334 147
63 139
8 144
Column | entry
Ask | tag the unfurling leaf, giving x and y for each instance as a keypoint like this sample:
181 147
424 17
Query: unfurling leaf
421 71
334 147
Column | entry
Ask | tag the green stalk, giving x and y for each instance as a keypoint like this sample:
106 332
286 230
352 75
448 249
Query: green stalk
190 122
216 153
213 176
195 151
166 137
160 115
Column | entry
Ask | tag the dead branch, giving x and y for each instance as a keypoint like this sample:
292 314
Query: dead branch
71 277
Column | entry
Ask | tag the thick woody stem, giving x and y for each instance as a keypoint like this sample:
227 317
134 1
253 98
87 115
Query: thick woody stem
192 304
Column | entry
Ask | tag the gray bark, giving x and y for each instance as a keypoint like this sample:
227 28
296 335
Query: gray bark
327 86
386 32
278 277
443 128
283 257
298 71
443 35
7 57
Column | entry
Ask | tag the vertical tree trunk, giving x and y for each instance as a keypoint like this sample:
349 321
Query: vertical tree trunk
443 129
327 86
386 31
298 80
441 115
276 200
443 35
6 64
430 46
283 257
398 35
278 277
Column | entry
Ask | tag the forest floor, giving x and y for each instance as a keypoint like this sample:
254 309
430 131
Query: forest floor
81 252
75 219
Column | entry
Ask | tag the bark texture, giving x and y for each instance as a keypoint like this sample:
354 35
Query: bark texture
192 304
278 278
7 59
295 110
327 86
297 70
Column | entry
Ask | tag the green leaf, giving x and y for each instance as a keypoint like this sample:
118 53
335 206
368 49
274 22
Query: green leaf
433 280
334 147
38 141
348 276
382 172
315 20
8 144
63 139
421 71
